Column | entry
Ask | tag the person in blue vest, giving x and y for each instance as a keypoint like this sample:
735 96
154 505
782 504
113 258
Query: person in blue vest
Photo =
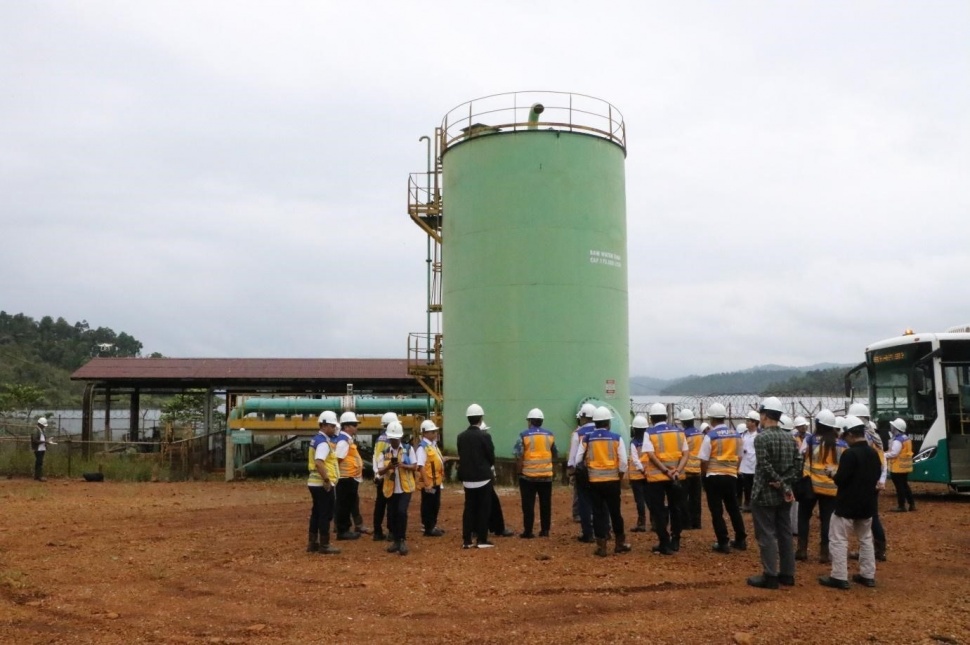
397 465
604 456
380 502
583 507
321 482
535 452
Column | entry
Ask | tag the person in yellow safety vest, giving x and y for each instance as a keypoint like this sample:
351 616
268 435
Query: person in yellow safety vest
664 457
692 472
603 455
323 475
431 477
582 506
719 456
634 472
861 411
397 465
821 451
380 502
535 451
900 458
799 434
348 486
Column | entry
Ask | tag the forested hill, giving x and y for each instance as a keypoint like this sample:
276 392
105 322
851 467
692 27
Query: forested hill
38 357
775 380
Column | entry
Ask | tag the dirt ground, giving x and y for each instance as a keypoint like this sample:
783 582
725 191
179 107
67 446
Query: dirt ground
225 563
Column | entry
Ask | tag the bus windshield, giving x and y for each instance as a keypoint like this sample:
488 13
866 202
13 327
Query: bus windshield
894 387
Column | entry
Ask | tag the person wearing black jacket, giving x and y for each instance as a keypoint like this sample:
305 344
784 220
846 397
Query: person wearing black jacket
858 474
476 455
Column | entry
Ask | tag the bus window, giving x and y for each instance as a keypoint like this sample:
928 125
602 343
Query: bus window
956 386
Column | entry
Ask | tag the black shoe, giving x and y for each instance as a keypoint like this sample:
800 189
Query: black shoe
363 530
312 547
378 536
505 533
661 550
639 528
348 535
526 536
403 548
864 581
468 546
543 533
912 507
739 545
394 548
788 581
675 544
586 539
721 548
326 549
835 583
898 509
764 582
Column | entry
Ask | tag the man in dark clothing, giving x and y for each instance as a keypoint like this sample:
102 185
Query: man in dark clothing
476 455
776 471
858 474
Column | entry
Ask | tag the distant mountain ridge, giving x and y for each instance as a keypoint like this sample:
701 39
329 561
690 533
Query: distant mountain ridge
819 378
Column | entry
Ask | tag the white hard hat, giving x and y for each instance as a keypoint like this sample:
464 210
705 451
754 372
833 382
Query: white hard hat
327 417
800 421
658 410
840 423
428 426
42 422
826 417
899 424
602 414
686 415
859 410
640 421
753 416
387 417
716 411
348 417
705 426
772 403
852 422
395 430
485 426
474 410
535 413
586 410
785 422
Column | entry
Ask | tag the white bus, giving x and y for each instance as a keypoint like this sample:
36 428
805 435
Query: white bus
925 380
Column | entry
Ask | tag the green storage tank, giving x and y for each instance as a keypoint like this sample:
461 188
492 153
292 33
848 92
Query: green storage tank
534 256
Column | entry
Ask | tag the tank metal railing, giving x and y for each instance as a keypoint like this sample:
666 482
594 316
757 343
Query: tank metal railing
510 112
424 363
424 203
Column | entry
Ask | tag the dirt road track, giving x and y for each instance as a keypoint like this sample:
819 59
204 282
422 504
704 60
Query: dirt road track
225 563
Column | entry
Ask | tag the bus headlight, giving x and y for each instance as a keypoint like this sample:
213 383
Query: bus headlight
923 455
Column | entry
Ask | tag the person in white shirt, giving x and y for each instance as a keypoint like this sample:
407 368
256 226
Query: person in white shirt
39 443
748 461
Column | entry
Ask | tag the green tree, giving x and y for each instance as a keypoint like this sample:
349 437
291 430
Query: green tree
21 398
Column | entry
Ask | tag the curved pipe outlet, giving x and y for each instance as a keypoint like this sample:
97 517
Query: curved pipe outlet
534 113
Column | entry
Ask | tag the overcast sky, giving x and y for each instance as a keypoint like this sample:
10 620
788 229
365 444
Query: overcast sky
229 178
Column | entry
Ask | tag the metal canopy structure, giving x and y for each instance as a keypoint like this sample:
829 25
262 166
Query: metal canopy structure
317 376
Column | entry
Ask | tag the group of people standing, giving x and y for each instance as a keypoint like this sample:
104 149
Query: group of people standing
770 466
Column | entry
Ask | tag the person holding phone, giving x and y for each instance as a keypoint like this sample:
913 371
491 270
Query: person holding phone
397 465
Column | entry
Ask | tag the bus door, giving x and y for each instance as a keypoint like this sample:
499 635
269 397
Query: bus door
956 409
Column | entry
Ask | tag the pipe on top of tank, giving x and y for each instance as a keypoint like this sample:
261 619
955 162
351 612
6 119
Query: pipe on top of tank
534 113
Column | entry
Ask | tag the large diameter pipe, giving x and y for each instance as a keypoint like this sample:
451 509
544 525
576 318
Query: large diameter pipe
534 113
335 404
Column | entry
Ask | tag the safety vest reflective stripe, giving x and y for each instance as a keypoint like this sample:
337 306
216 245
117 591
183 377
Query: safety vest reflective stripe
330 463
406 476
903 463
602 458
822 483
694 441
667 442
434 467
352 465
724 452
537 454
632 473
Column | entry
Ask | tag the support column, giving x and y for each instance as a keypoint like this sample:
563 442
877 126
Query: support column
134 415
107 416
87 419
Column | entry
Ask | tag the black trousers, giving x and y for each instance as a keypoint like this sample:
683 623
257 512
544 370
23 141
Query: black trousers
496 519
722 493
826 505
745 484
39 463
904 495
321 513
478 508
692 501
605 497
348 499
430 506
639 488
528 490
664 500
380 507
397 515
